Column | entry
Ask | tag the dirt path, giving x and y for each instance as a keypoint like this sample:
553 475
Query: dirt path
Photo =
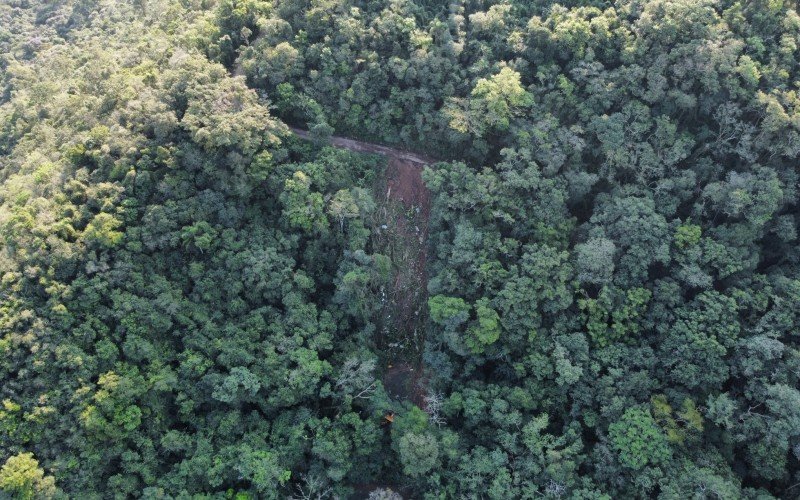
368 147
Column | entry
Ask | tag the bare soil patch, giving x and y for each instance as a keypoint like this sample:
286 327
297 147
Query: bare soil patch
403 236
404 382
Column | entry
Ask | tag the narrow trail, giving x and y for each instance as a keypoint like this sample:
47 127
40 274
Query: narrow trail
368 147
402 234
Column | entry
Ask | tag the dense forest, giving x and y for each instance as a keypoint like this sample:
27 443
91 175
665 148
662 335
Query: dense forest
588 288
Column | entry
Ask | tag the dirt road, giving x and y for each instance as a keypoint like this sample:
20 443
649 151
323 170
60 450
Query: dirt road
367 147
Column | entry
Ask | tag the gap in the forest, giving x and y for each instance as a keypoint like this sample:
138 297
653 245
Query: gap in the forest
402 235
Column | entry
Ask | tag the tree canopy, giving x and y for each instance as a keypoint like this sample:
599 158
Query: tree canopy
593 291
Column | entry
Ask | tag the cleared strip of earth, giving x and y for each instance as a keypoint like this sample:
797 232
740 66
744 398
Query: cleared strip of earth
366 147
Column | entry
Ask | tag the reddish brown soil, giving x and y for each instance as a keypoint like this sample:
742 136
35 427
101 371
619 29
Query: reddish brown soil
403 381
406 192
404 184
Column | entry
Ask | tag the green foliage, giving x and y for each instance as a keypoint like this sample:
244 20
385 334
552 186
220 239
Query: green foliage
503 94
639 440
486 330
196 303
687 235
102 231
448 311
200 235
677 425
419 454
22 478
493 103
614 316
303 208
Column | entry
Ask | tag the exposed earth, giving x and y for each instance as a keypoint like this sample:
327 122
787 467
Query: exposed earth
367 147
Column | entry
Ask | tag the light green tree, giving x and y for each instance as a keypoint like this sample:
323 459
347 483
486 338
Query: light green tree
22 478
639 440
